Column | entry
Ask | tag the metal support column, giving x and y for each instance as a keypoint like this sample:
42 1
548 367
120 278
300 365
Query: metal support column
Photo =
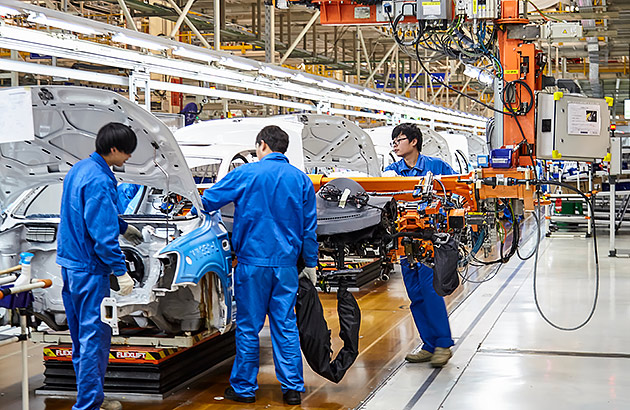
397 66
15 76
299 37
270 37
612 251
357 56
217 24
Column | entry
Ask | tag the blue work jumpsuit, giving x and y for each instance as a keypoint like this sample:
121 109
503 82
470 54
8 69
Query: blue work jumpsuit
275 219
427 307
88 251
126 194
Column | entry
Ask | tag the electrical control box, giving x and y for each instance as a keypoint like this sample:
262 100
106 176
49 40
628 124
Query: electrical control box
433 9
571 127
389 9
482 9
553 30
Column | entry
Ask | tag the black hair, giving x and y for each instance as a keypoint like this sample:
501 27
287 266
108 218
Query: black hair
409 130
115 135
275 137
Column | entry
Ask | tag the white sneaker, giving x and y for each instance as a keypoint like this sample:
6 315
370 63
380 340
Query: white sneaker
111 405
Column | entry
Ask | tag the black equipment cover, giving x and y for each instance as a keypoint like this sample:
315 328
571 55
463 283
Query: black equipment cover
445 276
315 335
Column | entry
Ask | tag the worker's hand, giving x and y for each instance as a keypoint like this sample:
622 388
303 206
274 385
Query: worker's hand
125 283
310 274
133 235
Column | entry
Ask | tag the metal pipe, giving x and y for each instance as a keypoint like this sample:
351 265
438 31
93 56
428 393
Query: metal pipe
358 56
125 10
180 19
35 284
8 279
190 25
413 80
380 64
11 269
299 37
459 95
24 346
365 52
397 66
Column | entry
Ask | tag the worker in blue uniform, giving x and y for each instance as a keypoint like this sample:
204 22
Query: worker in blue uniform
427 307
88 252
275 220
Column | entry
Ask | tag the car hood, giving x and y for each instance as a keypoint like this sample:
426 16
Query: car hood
66 120
329 140
225 138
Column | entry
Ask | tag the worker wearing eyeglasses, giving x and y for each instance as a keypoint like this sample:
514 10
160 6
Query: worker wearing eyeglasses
427 307
407 144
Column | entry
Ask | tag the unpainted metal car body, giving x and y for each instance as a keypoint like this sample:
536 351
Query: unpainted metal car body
317 144
182 271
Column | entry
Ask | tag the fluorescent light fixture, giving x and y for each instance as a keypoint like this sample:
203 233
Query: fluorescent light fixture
230 62
304 79
193 54
41 18
330 85
351 89
8 11
480 75
138 42
369 93
274 72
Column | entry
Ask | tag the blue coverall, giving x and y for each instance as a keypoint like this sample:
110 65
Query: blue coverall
88 251
126 193
427 307
275 220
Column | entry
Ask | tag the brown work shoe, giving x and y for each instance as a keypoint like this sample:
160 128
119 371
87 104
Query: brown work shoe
441 356
420 357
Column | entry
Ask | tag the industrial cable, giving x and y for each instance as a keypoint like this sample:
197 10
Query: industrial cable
543 15
441 46
597 273
537 239
466 278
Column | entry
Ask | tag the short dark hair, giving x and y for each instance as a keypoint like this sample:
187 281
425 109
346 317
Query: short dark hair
115 135
275 137
411 131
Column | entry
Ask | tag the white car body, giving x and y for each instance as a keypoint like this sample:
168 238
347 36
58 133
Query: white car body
66 120
317 144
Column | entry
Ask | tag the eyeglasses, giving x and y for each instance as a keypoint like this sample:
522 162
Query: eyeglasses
397 141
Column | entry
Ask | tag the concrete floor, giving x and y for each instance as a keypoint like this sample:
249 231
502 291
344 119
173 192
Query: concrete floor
508 357
505 357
